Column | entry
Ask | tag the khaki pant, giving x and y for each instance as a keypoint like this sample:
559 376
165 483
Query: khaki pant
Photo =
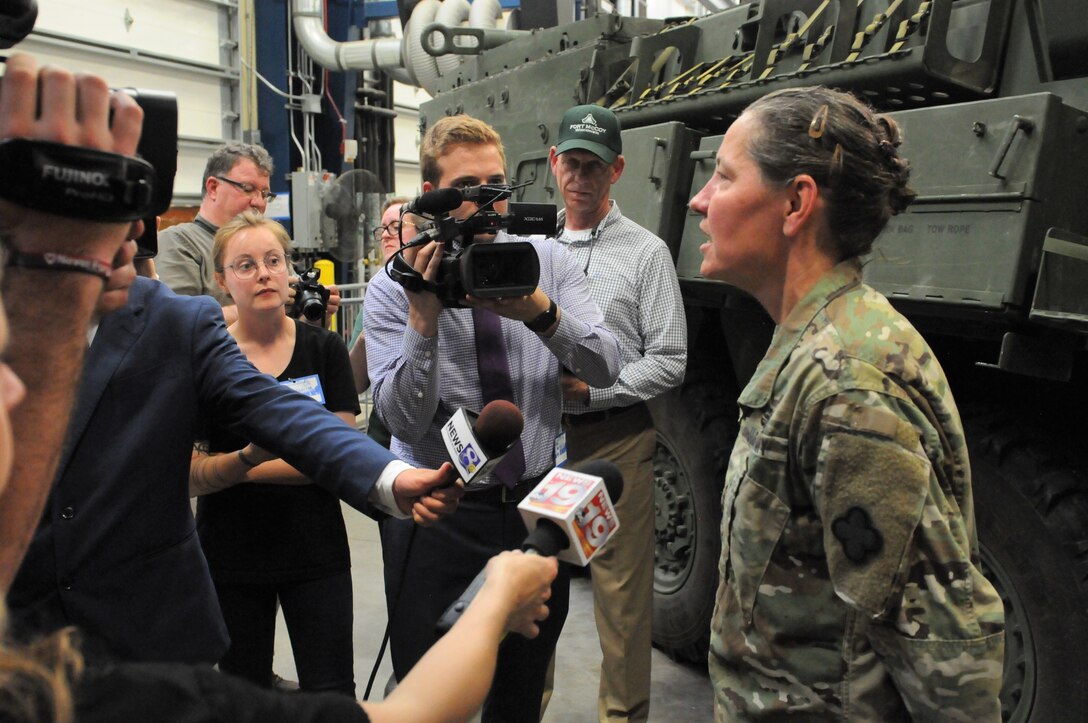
623 573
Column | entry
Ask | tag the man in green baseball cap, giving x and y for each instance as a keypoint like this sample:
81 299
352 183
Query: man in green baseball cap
633 281
590 128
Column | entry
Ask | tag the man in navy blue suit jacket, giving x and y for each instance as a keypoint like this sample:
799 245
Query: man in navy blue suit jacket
116 552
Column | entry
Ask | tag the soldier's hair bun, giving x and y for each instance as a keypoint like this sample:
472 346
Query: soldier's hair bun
850 151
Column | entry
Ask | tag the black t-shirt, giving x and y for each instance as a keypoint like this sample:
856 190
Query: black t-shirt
262 533
173 693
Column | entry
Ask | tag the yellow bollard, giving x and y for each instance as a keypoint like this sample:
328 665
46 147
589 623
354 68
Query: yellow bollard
327 277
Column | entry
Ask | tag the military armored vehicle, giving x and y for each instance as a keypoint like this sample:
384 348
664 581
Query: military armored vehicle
990 262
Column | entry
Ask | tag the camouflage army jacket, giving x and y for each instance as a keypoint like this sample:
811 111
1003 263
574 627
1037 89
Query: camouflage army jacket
850 587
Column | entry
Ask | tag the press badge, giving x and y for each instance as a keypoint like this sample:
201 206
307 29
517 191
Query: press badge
561 449
310 386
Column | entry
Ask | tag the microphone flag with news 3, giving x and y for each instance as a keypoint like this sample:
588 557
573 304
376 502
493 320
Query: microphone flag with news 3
570 514
476 443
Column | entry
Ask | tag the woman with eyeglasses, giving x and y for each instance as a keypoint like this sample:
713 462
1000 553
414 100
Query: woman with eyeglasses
279 539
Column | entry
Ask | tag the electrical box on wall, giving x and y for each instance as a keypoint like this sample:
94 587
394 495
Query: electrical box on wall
307 190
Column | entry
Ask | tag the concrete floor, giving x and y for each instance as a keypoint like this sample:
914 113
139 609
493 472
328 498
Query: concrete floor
679 693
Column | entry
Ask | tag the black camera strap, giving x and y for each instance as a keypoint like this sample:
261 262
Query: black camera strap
75 182
402 272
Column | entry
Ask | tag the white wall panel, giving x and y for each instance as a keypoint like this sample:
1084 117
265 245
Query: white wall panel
185 29
172 45
199 104
191 162
407 180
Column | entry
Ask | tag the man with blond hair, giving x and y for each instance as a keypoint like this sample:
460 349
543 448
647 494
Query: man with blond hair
426 361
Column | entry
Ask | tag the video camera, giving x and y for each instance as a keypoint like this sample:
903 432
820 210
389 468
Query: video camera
90 184
486 270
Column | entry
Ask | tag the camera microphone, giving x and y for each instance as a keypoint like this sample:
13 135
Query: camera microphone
570 514
476 443
436 202
487 193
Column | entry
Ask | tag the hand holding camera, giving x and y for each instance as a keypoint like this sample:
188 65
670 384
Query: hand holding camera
54 106
483 270
310 299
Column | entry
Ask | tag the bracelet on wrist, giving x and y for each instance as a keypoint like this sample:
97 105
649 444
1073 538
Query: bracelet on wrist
246 460
56 261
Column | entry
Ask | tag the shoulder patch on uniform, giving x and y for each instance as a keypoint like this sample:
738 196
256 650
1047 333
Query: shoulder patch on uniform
859 538
875 420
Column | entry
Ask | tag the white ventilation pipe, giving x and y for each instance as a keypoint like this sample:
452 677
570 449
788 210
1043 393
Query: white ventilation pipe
485 14
375 54
404 59
421 66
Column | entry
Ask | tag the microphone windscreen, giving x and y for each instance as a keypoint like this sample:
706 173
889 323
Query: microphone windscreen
499 424
610 473
437 202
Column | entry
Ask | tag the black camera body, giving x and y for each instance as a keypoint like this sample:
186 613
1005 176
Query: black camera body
483 270
311 298
488 271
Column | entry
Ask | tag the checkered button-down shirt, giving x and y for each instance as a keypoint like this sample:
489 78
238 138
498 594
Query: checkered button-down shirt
633 280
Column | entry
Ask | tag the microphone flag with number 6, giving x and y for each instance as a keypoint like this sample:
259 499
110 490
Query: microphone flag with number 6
580 504
476 443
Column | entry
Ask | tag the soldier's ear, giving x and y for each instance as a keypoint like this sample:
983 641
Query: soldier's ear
802 204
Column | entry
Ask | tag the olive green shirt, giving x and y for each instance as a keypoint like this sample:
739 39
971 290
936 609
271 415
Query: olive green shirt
185 262
850 585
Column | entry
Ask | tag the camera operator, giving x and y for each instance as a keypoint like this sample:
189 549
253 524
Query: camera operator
236 179
48 326
426 361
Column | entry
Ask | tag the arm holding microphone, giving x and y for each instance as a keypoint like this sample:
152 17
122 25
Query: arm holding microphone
451 680
570 514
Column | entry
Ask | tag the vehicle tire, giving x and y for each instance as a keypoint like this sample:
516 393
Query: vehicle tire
695 433
1032 513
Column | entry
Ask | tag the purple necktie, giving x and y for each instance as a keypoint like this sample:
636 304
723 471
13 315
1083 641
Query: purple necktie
495 384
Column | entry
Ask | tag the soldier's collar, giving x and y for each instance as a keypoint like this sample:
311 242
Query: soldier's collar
841 278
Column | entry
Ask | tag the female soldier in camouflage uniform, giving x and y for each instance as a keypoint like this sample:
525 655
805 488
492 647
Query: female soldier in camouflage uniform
850 585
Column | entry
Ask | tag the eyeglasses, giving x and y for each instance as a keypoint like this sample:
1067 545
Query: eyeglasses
246 268
249 189
392 228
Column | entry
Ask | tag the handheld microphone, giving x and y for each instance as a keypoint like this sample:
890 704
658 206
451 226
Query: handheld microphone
566 506
436 202
476 443
575 508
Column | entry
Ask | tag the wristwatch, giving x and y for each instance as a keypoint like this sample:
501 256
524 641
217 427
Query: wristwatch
542 323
